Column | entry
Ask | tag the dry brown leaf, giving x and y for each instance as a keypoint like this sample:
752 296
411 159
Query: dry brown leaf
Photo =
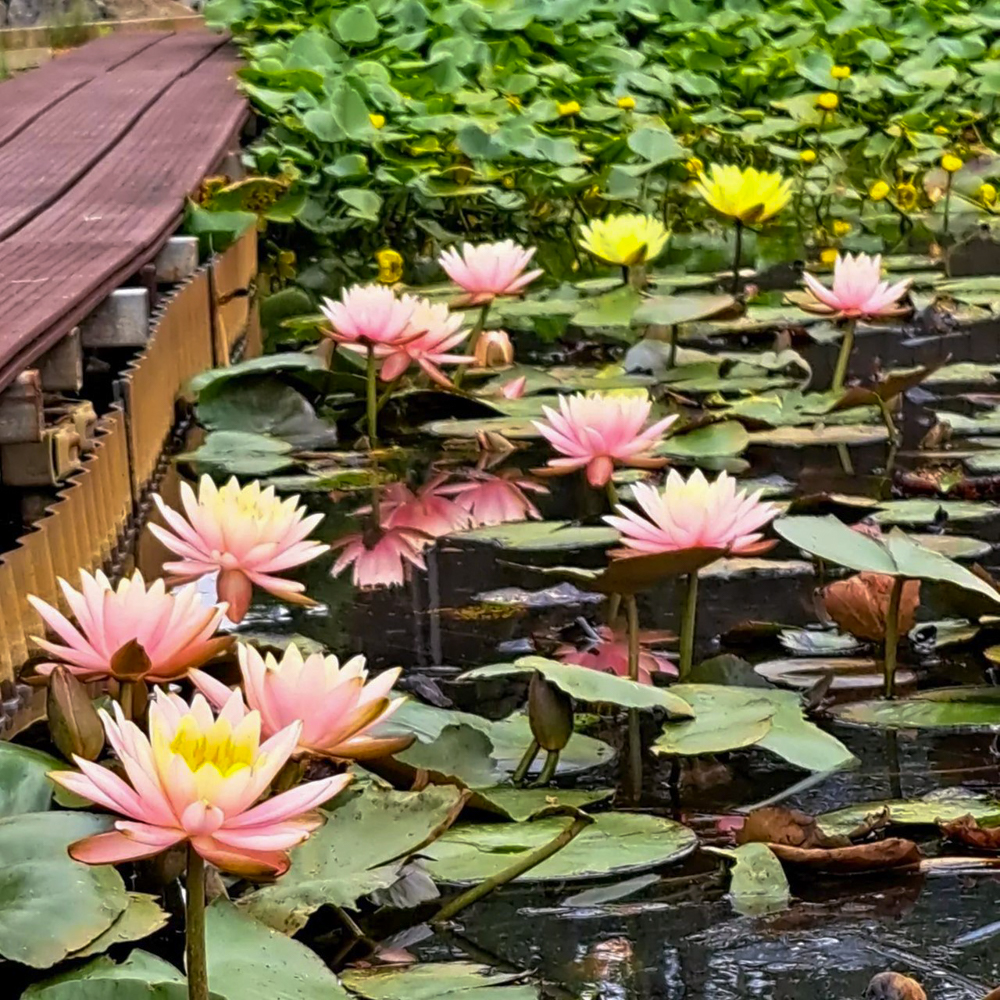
966 830
860 604
779 825
894 986
880 855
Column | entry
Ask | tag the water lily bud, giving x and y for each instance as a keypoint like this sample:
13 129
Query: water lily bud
695 166
378 121
494 349
841 227
951 163
828 256
550 714
567 108
73 722
390 266
878 191
840 72
828 101
988 194
626 103
808 156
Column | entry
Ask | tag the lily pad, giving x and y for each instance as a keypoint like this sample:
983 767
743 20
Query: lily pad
858 675
241 453
945 805
266 365
141 917
141 976
511 735
917 511
437 981
971 709
852 435
540 536
361 847
520 804
51 905
250 961
615 844
591 686
758 884
954 546
672 310
614 308
24 785
729 437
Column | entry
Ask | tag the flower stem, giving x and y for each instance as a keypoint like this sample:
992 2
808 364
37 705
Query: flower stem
892 635
548 768
477 332
386 393
736 257
844 358
372 399
947 205
609 488
632 613
526 761
674 331
689 618
194 927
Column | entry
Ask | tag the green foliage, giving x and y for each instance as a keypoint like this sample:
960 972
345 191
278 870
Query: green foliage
426 120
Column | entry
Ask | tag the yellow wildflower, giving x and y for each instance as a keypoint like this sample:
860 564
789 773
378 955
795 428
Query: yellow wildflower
988 194
878 191
513 100
828 256
808 156
627 239
841 227
508 181
840 72
378 121
626 103
749 195
941 130
907 196
828 101
390 266
951 163
566 108
694 166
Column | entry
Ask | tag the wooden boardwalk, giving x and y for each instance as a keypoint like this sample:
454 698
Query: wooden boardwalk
98 150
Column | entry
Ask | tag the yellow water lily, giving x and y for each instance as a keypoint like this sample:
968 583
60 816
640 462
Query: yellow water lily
750 196
390 266
951 163
626 240
878 191
988 194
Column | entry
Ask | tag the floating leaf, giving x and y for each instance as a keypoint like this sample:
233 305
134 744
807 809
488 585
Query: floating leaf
942 806
757 885
268 364
241 453
24 785
141 917
520 804
585 685
672 310
540 536
437 981
615 844
917 510
612 309
141 976
729 437
856 675
958 708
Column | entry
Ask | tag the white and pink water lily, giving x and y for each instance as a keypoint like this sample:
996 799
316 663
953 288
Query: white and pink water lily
369 316
858 290
195 780
487 271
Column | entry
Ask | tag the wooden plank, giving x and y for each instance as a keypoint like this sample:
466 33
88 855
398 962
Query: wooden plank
69 257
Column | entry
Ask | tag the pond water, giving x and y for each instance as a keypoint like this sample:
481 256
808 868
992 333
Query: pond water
680 937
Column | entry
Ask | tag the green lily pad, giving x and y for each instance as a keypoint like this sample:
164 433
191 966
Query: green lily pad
437 981
361 847
512 735
895 554
540 536
918 511
615 844
757 885
141 917
945 805
614 308
954 546
858 675
51 905
460 751
241 453
672 310
520 804
819 436
974 709
729 437
987 423
24 785
265 365
591 686
250 961
727 718
141 976
983 463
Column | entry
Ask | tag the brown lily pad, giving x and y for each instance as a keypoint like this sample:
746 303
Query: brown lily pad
885 389
966 830
880 855
778 825
860 605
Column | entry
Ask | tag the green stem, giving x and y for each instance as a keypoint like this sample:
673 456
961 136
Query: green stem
689 618
947 204
529 861
526 761
477 331
634 790
387 392
844 357
890 424
673 346
372 399
632 613
892 635
736 257
612 492
548 768
194 927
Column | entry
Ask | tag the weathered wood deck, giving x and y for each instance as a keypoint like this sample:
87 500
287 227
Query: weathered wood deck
98 150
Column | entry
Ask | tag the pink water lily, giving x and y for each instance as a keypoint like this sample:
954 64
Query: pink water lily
489 270
597 432
427 342
335 705
609 655
130 631
497 499
369 315
514 389
246 534
858 290
429 510
380 557
195 780
692 515
494 349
